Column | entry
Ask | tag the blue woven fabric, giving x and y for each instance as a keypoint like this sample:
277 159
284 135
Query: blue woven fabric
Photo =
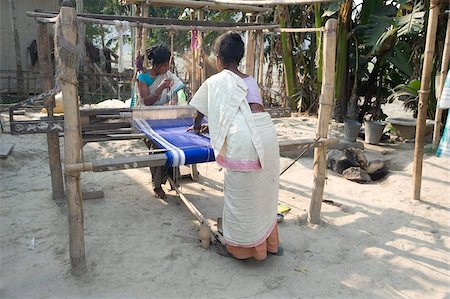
183 148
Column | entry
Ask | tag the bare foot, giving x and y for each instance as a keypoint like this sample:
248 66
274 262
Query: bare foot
159 193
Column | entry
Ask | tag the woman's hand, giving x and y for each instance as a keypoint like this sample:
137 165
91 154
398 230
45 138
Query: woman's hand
167 83
203 128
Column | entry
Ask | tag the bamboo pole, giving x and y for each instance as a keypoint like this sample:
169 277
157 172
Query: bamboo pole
194 83
202 5
144 37
251 48
272 2
173 24
260 77
137 19
423 96
72 139
202 26
202 57
54 154
325 106
197 214
444 70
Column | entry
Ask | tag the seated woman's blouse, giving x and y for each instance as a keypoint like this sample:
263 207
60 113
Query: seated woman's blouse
253 96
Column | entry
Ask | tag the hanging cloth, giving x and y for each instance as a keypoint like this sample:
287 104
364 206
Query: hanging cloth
194 39
121 27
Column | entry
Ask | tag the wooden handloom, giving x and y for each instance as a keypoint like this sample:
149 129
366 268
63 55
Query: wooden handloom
85 126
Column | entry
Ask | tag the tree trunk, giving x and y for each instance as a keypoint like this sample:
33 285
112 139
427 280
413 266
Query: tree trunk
19 71
288 60
342 71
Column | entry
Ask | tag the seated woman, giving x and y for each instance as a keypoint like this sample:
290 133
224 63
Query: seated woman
158 86
246 146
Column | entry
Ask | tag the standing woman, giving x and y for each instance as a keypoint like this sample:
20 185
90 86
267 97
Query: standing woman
246 146
158 86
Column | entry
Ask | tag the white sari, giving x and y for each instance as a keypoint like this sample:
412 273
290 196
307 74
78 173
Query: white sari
168 93
246 145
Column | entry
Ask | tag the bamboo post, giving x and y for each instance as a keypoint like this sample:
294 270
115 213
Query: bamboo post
251 48
423 96
194 83
202 62
144 34
444 70
260 77
259 48
72 138
137 53
54 154
325 105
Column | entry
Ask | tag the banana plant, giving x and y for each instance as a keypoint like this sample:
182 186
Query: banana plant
385 33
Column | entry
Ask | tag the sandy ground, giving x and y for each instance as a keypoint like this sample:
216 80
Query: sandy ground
374 242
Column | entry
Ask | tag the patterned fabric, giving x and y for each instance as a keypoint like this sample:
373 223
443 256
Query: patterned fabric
242 165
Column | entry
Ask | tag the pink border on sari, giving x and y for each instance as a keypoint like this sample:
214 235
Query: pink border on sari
242 165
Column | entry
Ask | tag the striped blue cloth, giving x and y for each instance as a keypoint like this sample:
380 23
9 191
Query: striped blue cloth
183 148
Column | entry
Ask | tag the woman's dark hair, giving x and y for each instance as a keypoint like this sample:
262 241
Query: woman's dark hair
158 55
230 48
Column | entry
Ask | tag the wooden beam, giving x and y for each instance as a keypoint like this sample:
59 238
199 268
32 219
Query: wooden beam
114 164
205 238
72 141
194 83
325 106
444 70
201 5
144 37
272 2
423 96
251 48
201 25
54 154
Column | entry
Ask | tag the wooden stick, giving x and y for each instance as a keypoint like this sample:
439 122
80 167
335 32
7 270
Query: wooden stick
201 54
196 213
320 29
251 48
194 83
117 163
54 154
325 106
423 96
144 37
272 2
165 23
72 142
202 5
175 27
444 70
260 76
147 20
